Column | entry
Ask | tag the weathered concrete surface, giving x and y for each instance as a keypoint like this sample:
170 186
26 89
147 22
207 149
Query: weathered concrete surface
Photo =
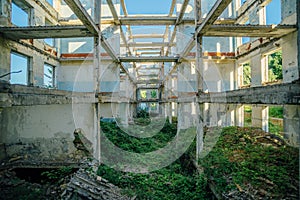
45 131
291 124
19 95
288 93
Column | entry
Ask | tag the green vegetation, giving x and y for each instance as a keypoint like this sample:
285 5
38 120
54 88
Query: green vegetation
241 163
275 66
244 160
276 111
246 74
135 144
247 117
177 181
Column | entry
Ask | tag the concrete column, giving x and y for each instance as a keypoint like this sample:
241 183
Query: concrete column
230 115
290 57
256 72
291 124
239 115
199 139
187 115
260 117
124 113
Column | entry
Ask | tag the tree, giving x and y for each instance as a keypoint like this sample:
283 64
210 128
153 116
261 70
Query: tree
275 66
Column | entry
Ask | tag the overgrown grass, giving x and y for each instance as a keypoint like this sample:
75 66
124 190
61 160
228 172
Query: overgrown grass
240 160
177 181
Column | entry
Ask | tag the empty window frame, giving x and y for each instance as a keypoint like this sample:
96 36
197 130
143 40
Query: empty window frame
273 12
272 67
247 116
20 15
276 120
244 75
49 76
19 66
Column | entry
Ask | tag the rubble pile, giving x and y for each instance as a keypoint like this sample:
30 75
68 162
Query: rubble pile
85 185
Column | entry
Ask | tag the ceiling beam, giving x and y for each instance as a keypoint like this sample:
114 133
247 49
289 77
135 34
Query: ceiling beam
151 35
148 44
212 16
83 16
178 20
260 31
152 20
113 11
182 11
216 30
148 59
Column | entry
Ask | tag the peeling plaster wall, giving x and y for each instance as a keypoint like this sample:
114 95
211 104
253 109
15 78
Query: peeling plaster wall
45 132
76 76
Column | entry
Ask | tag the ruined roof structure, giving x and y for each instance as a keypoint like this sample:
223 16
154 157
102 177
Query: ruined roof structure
66 64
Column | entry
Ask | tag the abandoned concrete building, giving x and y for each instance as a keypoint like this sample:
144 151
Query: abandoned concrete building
65 64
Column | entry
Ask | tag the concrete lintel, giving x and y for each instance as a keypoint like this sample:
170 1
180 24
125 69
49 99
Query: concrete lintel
288 93
82 14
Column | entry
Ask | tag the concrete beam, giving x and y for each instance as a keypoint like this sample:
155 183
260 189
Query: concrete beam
151 20
288 93
149 59
113 11
237 30
218 30
182 11
19 95
148 44
124 7
82 14
212 16
146 36
40 32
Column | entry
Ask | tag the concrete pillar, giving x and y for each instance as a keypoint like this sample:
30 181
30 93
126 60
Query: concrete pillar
260 117
124 113
256 71
230 115
291 124
239 115
290 58
187 115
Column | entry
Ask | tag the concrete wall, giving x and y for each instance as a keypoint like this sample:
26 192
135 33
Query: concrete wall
45 133
76 76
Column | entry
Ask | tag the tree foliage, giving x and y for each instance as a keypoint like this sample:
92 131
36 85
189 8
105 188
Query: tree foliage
275 66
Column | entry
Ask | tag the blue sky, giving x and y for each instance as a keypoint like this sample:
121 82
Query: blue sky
148 6
20 18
